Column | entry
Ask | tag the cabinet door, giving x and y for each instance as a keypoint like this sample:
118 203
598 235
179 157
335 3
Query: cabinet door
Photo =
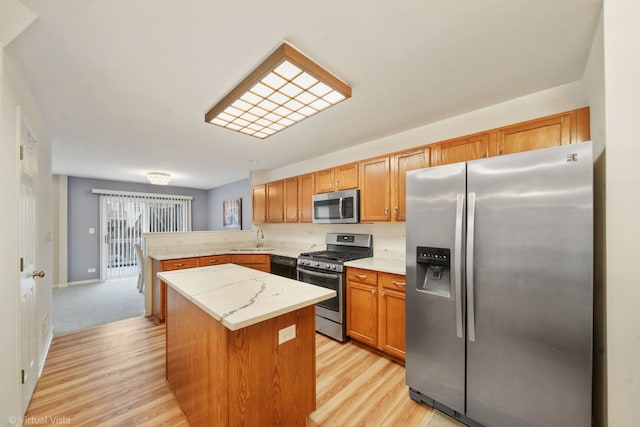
256 261
460 149
392 326
305 194
551 131
346 176
291 199
375 189
205 261
362 312
179 264
324 181
160 291
275 201
402 163
259 204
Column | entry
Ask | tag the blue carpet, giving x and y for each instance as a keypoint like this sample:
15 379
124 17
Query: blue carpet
80 307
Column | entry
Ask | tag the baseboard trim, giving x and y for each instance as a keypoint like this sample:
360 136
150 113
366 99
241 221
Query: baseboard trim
80 282
45 353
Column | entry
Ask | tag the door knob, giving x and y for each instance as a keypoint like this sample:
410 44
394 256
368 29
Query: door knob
37 274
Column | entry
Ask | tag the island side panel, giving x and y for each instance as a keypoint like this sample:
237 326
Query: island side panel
271 383
197 362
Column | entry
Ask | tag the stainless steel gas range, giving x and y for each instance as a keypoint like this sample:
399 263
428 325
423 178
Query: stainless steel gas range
326 269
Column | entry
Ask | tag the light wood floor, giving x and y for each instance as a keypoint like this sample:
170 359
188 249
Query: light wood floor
114 375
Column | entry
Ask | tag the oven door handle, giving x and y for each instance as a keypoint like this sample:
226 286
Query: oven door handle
317 274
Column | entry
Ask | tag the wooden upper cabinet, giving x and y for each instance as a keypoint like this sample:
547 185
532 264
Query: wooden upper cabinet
275 201
259 203
343 177
291 199
305 195
346 176
324 181
463 149
402 163
551 131
375 189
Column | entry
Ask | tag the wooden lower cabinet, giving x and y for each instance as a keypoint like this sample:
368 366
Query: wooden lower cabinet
257 262
376 310
159 302
204 261
392 314
223 378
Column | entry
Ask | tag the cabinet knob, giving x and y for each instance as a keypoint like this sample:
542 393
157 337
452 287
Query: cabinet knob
399 283
372 291
381 294
386 213
178 265
395 213
213 261
361 276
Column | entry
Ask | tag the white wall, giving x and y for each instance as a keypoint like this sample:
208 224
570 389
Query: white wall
15 92
9 389
622 92
543 103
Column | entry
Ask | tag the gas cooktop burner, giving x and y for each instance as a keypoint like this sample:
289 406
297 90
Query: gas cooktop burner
336 256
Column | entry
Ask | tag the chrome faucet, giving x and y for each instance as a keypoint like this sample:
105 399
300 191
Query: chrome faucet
259 237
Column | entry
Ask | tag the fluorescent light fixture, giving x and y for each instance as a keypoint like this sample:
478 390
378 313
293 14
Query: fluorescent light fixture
159 178
285 89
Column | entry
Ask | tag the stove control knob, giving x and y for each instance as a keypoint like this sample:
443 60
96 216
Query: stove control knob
333 267
317 264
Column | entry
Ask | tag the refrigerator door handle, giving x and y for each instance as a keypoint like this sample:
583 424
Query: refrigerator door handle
457 263
471 315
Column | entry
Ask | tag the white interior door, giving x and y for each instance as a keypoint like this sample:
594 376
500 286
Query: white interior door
28 266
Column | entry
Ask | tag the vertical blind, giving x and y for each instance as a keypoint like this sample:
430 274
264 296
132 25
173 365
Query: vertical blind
125 216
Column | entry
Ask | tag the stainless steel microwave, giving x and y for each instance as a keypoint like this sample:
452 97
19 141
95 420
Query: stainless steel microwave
339 207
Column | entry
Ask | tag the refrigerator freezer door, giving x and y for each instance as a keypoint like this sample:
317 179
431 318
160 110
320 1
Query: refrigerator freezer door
530 363
435 342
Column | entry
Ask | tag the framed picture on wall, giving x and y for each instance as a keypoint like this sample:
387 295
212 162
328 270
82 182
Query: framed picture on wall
232 214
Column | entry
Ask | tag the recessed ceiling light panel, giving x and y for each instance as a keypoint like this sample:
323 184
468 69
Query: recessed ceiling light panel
285 89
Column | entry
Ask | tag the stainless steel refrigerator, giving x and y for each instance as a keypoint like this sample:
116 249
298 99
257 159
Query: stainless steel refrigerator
499 288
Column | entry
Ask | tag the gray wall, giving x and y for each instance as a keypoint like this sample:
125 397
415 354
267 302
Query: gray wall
84 213
236 189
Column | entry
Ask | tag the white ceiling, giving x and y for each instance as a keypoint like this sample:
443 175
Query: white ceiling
124 84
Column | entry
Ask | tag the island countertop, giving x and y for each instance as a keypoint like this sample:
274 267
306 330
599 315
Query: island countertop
239 297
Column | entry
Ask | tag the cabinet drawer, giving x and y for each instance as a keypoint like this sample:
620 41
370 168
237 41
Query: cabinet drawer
250 259
396 282
179 264
213 260
362 276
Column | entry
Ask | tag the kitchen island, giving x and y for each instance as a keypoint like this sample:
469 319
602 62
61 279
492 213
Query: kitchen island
241 345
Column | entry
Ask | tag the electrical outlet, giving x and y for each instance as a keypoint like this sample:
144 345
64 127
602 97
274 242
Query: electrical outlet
92 230
286 334
91 270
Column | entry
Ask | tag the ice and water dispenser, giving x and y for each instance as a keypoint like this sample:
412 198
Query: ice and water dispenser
434 270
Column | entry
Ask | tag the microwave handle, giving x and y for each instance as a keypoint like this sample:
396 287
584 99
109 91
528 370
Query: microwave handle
340 207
